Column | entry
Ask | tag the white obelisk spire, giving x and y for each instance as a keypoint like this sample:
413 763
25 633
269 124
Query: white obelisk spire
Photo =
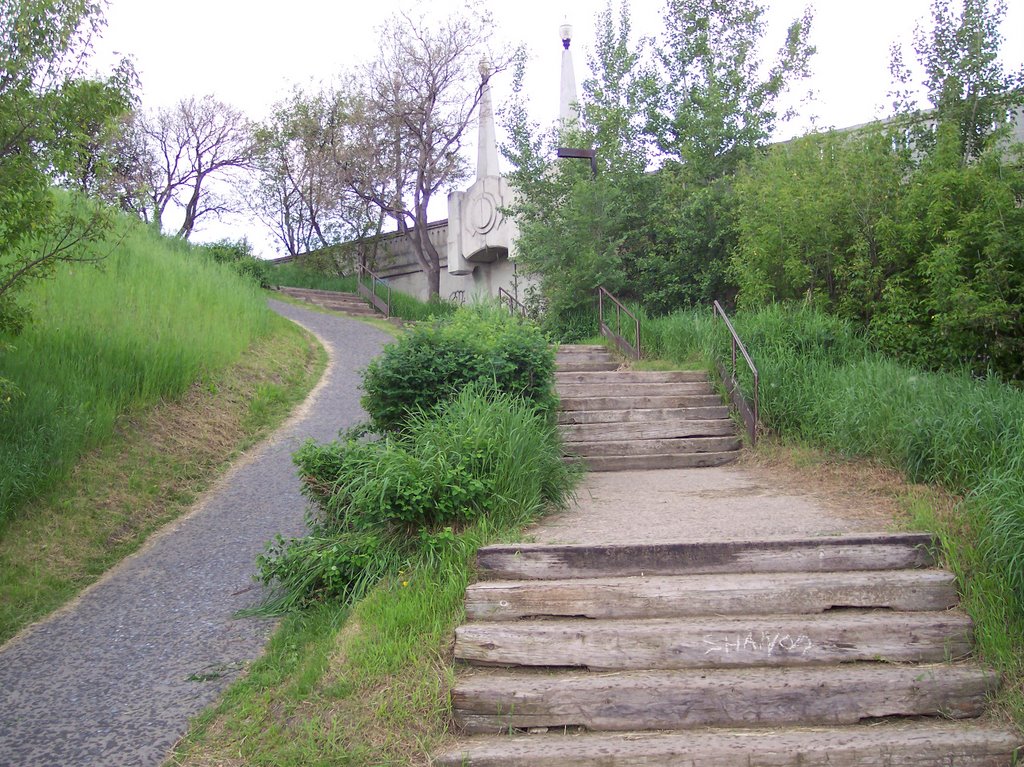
567 93
487 141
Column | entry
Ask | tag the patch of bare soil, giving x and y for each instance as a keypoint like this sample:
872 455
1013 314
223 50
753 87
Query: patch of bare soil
856 488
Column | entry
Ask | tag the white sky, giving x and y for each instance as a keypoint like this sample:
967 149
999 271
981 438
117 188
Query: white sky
248 55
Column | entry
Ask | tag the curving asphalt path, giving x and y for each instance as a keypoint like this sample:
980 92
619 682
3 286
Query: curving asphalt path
114 678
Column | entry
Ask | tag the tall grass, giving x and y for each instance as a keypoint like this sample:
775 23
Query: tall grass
150 321
822 384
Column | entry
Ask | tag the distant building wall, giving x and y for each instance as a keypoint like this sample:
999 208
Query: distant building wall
396 264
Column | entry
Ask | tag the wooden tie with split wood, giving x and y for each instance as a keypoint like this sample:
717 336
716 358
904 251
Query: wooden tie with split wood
845 651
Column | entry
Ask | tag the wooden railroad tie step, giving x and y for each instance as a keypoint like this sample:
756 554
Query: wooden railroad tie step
719 642
678 460
624 401
671 596
489 701
631 377
651 447
676 428
633 389
588 366
535 561
907 744
642 414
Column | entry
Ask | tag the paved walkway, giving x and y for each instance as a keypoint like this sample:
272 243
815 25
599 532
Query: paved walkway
731 502
114 678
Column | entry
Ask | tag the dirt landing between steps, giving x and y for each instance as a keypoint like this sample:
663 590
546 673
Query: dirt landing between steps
735 502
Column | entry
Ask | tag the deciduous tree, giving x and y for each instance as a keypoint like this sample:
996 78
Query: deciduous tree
411 109
184 151
50 115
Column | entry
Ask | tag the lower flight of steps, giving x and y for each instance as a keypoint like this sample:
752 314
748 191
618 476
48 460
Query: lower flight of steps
347 303
844 651
615 420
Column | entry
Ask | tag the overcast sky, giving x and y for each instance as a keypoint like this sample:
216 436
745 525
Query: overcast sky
249 57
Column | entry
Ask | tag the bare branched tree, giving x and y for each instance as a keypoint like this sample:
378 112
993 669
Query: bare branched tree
296 190
185 148
410 110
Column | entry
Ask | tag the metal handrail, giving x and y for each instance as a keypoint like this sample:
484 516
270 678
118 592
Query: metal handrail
752 419
512 302
630 350
370 293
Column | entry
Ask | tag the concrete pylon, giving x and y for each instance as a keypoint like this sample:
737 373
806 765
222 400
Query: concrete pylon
567 98
478 232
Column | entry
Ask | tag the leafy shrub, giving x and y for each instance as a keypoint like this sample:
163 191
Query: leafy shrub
480 342
474 455
238 253
483 457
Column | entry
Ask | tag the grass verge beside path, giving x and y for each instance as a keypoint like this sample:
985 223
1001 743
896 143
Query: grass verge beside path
157 463
366 685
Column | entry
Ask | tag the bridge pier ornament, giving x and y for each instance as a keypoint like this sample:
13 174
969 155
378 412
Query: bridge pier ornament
477 230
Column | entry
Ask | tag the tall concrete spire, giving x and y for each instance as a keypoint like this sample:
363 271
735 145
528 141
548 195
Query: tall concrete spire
567 93
487 142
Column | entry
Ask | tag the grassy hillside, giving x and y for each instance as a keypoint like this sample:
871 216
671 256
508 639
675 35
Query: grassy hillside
153 318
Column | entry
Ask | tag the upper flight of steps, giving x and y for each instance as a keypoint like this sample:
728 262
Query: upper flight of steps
616 420
837 652
347 303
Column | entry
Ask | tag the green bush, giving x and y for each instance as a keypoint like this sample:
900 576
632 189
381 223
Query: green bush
238 254
474 455
480 342
482 458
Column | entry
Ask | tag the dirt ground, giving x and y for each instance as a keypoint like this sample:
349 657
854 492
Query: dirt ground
773 492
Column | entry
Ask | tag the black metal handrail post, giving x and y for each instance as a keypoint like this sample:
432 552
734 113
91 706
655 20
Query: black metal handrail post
738 344
370 293
630 350
513 303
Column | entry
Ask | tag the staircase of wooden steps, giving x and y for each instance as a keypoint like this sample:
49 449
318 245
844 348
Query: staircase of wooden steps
844 651
346 303
617 420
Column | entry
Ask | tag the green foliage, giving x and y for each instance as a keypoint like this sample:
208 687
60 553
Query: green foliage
298 275
815 219
157 317
480 342
822 384
53 124
482 455
719 99
661 239
238 253
928 258
967 90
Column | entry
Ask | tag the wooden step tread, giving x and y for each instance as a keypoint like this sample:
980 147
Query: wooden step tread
631 389
624 401
646 447
642 414
884 551
581 348
667 429
632 376
658 461
720 642
587 366
887 744
666 596
496 701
